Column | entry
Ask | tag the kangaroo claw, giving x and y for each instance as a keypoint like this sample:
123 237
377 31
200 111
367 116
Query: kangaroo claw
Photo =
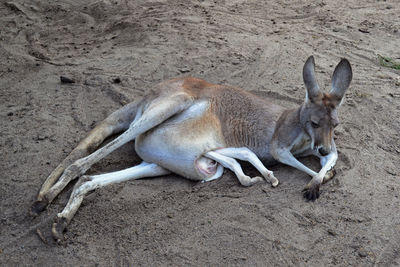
311 192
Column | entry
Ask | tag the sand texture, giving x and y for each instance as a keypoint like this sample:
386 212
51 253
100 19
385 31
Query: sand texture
116 50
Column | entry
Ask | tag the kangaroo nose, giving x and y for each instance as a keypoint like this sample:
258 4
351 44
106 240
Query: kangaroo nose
323 151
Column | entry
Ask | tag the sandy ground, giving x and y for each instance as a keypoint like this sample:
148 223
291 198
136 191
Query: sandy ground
257 45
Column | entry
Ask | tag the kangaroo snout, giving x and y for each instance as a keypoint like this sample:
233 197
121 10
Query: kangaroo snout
324 151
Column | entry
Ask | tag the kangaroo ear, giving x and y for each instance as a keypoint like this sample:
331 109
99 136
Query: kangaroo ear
341 79
309 79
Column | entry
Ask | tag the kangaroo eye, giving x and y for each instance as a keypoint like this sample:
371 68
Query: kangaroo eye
314 124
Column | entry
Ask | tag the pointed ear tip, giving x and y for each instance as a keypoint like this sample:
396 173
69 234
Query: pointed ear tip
310 58
345 61
309 63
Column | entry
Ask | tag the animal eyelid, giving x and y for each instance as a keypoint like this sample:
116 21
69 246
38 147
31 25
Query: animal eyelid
315 124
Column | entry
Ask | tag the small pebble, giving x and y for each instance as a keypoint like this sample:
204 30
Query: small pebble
64 79
363 30
362 253
331 232
184 70
41 137
397 81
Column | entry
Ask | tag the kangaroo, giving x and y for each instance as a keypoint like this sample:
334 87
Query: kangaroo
196 129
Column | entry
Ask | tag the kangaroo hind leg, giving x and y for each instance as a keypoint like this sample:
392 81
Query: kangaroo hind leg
154 113
115 123
88 183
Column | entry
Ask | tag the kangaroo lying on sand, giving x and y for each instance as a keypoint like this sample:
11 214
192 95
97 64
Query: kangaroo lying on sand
196 129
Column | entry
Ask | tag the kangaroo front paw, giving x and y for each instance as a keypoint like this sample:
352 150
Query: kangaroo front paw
274 182
269 176
58 228
272 179
311 191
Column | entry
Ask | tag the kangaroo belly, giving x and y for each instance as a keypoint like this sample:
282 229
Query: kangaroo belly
179 143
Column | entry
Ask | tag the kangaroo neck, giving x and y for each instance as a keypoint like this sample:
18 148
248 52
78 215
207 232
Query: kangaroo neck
289 127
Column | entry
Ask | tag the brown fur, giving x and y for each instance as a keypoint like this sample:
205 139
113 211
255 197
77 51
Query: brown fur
185 121
245 120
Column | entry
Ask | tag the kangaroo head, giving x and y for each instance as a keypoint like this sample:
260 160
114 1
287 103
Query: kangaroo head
318 114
